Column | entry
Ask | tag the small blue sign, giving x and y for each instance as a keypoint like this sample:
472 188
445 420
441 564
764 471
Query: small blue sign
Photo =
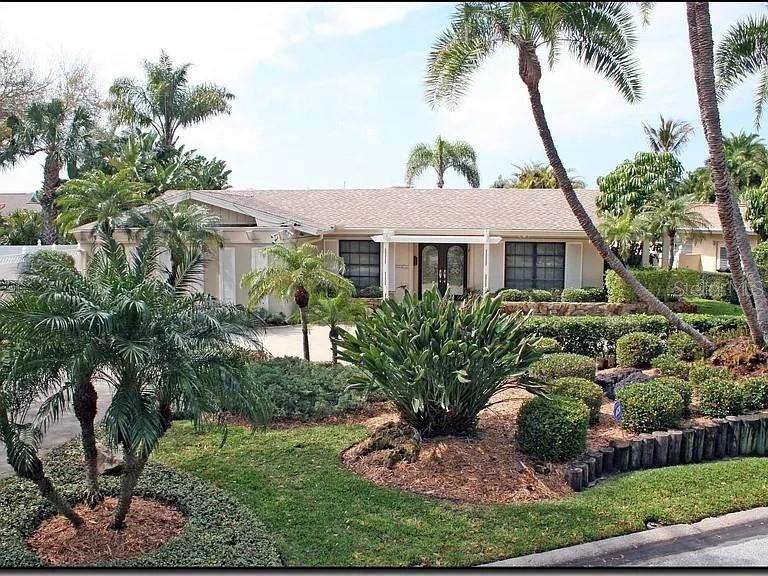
617 413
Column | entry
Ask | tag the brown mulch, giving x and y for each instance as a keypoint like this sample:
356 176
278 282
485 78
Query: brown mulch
149 525
742 356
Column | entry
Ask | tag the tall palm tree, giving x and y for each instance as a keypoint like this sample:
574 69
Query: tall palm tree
48 128
98 197
534 175
665 215
670 136
166 101
601 35
296 273
622 231
333 311
745 274
441 156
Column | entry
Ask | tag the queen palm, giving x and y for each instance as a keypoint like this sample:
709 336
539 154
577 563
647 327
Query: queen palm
297 273
670 136
622 231
600 35
333 311
166 101
48 128
440 156
667 215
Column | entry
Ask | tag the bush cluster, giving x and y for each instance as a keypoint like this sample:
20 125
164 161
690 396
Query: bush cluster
547 346
372 291
637 349
529 295
581 389
650 406
582 295
562 365
754 392
683 347
668 365
701 371
682 387
670 285
552 429
719 397
270 318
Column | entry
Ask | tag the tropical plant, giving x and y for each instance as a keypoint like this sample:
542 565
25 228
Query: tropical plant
665 215
99 198
600 35
532 175
671 136
698 183
333 311
48 128
746 277
297 273
438 362
167 101
440 156
21 227
623 232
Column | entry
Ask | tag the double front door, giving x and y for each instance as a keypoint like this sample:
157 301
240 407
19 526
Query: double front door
444 266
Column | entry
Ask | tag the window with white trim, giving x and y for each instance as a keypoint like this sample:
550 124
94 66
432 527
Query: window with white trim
362 262
534 265
722 259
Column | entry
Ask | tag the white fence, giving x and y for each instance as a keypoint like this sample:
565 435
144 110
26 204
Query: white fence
12 256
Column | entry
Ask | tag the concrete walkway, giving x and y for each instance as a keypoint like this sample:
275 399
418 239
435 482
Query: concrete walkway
286 341
737 539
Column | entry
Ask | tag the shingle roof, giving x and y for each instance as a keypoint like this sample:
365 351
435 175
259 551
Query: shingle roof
412 208
709 211
11 202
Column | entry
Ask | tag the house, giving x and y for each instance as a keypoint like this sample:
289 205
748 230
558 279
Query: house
402 238
12 202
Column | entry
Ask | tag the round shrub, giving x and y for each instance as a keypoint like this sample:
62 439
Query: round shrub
583 295
553 429
511 295
587 391
538 295
683 347
700 372
637 349
547 346
719 397
685 389
651 406
669 365
755 393
562 365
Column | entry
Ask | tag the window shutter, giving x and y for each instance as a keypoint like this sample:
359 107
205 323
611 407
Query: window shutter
573 259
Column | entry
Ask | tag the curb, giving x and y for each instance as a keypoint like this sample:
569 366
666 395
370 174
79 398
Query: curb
615 551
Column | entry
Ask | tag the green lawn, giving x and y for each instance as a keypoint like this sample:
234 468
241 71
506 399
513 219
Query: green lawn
715 307
323 515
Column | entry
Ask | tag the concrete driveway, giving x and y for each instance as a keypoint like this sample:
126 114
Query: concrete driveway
286 341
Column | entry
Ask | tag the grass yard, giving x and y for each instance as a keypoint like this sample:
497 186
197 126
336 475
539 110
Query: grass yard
323 515
715 307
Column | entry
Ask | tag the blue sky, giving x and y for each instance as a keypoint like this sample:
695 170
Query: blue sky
331 95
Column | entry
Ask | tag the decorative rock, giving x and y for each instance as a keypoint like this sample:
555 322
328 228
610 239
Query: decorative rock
649 445
635 454
608 379
675 444
686 448
598 456
573 475
710 440
609 455
698 443
721 445
520 467
108 462
542 468
621 455
661 449
734 436
638 377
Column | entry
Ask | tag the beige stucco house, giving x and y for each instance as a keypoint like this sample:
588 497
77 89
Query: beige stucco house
403 238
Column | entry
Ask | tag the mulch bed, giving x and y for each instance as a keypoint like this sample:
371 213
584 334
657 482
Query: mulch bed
149 525
741 356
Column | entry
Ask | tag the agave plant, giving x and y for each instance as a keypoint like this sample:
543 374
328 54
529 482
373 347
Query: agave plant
440 362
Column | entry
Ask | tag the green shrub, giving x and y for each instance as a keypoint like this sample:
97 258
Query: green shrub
682 387
547 346
638 349
372 291
553 429
586 390
760 254
438 362
719 397
682 346
701 371
754 392
529 295
301 390
583 295
271 319
220 531
562 365
671 285
668 365
511 295
650 406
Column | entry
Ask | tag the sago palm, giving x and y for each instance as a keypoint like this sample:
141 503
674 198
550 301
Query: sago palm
670 136
440 156
333 311
296 273
666 216
166 101
600 35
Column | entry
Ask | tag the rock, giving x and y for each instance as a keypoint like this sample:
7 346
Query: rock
520 467
107 461
610 379
635 378
403 440
542 468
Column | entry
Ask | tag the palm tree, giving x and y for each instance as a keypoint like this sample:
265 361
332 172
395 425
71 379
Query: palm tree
97 197
297 273
533 175
665 215
621 231
671 135
441 156
333 311
48 128
742 264
166 101
601 35
21 227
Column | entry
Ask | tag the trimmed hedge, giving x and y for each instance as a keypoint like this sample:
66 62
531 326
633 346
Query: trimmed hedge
668 365
637 349
596 336
754 392
582 295
672 284
685 389
530 295
560 365
581 389
683 347
547 346
220 532
719 397
701 372
553 429
650 406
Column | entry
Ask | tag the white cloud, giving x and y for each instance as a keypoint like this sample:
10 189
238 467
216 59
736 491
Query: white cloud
348 18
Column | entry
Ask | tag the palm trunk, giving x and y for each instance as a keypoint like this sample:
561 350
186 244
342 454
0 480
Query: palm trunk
333 335
48 209
530 72
85 412
304 331
740 257
132 468
671 251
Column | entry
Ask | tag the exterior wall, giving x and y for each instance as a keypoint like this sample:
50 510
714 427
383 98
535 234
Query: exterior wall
705 253
227 217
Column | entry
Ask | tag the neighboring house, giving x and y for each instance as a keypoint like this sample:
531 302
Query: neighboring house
403 238
12 202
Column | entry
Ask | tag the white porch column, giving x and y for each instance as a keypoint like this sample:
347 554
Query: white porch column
385 279
486 262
